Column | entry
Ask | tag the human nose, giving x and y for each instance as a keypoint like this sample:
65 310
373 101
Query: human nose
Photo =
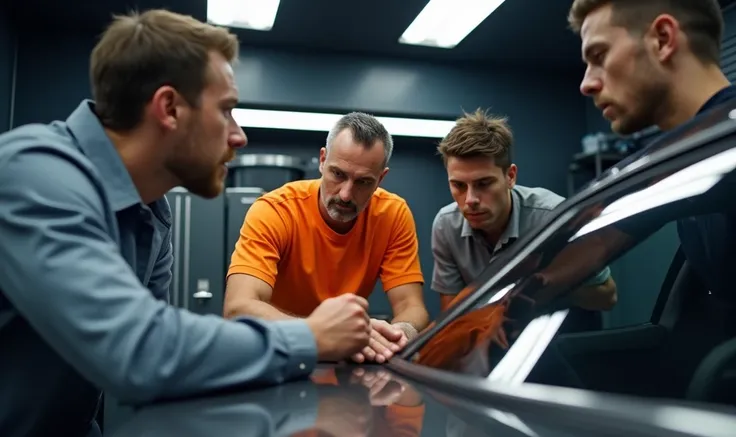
237 137
471 198
346 192
591 84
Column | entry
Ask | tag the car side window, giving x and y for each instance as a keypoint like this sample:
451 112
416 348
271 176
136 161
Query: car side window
639 276
630 227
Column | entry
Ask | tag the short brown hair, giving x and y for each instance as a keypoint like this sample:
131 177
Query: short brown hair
479 134
701 20
138 53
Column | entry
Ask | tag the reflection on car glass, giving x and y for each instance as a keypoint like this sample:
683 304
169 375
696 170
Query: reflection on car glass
509 327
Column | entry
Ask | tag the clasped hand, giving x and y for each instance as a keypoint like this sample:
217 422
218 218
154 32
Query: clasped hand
385 341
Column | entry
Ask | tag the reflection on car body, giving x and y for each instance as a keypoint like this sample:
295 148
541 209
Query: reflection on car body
503 323
334 401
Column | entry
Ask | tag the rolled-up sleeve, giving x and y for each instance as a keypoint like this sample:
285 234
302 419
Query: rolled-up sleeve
446 278
64 273
600 277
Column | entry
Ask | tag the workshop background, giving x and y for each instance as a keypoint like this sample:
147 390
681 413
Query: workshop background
332 56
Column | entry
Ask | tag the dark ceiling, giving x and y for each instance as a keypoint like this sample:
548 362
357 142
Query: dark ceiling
527 32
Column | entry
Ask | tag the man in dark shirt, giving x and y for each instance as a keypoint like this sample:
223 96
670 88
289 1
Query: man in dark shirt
85 242
657 62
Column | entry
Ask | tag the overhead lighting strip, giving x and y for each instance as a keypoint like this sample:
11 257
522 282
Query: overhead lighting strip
245 14
323 122
444 23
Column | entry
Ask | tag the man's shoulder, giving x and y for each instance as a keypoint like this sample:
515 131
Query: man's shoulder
48 144
47 158
51 137
386 202
292 194
537 198
449 217
537 205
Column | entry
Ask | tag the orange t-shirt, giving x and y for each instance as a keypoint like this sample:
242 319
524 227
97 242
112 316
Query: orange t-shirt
285 242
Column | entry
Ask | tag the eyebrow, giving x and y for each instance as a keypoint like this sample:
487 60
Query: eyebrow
590 48
486 178
231 101
366 178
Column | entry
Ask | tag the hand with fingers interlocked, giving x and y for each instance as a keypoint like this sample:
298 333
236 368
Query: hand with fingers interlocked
385 341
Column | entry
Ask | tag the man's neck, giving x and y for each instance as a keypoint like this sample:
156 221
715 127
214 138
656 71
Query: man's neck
493 235
694 86
151 181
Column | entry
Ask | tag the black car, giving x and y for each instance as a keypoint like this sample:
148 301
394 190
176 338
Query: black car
496 363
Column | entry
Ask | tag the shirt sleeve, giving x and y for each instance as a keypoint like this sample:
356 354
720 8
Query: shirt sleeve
446 278
400 263
600 277
263 237
64 274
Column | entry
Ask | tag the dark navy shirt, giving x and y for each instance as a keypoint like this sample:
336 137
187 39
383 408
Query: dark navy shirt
85 268
708 240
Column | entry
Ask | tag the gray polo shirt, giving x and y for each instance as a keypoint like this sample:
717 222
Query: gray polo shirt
461 253
85 269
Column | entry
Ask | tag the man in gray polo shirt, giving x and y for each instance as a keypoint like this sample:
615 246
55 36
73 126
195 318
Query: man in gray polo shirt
491 211
85 242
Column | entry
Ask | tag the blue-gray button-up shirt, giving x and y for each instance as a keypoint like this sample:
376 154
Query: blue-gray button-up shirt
85 269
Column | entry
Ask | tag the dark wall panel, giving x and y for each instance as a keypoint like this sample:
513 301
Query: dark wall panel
7 62
52 78
545 110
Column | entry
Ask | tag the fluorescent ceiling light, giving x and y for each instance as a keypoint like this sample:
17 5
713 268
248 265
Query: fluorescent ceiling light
321 122
246 14
444 23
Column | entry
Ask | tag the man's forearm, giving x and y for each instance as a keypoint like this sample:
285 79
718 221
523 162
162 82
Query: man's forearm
416 316
599 297
259 309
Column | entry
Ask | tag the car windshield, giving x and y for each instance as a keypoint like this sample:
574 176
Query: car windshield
525 301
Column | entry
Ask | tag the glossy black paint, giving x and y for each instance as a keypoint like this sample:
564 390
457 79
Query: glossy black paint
363 401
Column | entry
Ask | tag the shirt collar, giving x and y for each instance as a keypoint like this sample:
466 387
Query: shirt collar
97 146
721 96
509 234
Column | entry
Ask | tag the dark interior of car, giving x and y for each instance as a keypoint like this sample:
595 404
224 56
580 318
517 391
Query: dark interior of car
639 360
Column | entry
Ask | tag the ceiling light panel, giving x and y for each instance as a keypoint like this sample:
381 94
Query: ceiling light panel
323 122
244 14
444 23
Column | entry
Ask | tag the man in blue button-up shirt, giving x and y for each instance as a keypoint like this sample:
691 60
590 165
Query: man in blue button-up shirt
85 241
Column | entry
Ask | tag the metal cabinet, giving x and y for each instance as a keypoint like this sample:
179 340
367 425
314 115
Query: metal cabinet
264 170
238 201
199 252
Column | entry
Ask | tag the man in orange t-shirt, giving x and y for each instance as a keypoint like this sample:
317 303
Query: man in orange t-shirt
312 240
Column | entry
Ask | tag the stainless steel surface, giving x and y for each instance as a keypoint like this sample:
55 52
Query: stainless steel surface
238 201
255 191
266 160
203 287
198 240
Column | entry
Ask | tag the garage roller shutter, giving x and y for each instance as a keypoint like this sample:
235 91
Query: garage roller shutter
728 51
